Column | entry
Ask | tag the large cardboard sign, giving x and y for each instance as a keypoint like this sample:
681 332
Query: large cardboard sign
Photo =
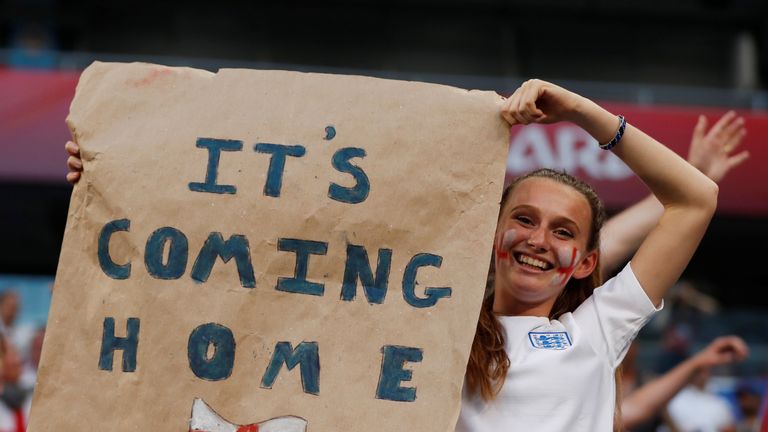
273 251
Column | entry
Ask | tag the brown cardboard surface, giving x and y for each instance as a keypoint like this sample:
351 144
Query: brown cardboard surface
434 158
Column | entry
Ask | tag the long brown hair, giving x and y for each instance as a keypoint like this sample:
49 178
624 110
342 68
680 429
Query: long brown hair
488 361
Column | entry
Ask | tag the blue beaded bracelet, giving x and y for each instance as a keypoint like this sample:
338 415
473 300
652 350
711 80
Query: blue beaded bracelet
619 133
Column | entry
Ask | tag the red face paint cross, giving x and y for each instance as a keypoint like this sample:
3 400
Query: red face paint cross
503 244
567 267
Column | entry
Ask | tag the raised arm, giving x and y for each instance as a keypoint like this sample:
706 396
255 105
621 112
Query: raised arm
647 401
711 151
689 198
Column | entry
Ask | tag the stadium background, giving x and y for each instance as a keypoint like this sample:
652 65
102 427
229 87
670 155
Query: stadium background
661 63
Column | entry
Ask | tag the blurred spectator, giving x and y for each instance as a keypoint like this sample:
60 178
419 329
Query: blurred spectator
684 309
642 404
37 348
635 417
14 401
748 398
32 47
694 409
2 358
20 336
29 373
9 307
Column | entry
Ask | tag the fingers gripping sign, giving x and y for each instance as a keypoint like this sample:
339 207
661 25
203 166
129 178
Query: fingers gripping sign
74 163
538 101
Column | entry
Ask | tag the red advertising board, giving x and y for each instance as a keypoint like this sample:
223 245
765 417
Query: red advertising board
34 104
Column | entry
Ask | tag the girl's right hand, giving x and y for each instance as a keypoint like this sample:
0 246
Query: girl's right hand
74 163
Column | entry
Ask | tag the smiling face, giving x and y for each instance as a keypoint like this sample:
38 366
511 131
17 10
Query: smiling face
541 242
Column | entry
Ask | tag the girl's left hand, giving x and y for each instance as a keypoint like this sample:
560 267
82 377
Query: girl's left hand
539 101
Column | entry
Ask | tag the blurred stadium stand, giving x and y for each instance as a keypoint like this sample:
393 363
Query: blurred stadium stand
683 42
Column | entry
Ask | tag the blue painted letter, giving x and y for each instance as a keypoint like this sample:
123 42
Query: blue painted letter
215 146
358 266
277 164
219 365
299 283
177 254
392 373
432 295
115 271
110 343
359 192
215 246
306 355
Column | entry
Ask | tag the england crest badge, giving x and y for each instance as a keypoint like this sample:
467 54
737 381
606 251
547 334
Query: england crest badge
550 340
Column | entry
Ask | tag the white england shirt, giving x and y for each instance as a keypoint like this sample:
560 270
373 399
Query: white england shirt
561 376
